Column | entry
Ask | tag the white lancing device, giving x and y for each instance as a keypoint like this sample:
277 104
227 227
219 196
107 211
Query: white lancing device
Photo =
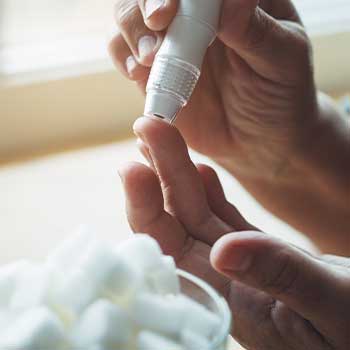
177 65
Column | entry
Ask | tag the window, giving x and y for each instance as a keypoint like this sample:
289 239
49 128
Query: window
53 33
324 16
58 87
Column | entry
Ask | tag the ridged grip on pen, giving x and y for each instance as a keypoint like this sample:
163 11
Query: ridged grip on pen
174 76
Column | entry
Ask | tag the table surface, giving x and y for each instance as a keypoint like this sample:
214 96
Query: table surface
42 201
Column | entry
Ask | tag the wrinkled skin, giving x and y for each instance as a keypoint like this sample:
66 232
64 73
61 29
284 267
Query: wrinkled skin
255 103
281 297
256 111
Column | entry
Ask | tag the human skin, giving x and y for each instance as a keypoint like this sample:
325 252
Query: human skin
281 297
256 111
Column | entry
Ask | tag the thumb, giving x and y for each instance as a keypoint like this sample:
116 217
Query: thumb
304 283
264 42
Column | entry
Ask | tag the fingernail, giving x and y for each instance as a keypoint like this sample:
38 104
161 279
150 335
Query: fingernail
238 261
130 64
136 132
152 6
146 45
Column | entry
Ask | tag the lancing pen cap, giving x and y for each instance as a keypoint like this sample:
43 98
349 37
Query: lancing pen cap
177 65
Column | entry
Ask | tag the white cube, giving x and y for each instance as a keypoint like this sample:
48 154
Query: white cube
194 341
158 313
115 276
142 251
36 329
164 280
76 293
34 287
102 324
153 341
7 318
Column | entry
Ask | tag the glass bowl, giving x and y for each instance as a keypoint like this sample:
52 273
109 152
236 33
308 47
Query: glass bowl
203 293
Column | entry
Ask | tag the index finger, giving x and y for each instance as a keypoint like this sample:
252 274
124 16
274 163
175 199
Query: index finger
183 189
158 14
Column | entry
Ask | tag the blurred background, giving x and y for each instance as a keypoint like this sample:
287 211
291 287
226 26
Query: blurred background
66 116
57 81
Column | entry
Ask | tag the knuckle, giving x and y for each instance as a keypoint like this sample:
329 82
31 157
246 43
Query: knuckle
126 12
284 279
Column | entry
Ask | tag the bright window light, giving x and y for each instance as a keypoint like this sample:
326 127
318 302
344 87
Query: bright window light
42 35
324 16
46 34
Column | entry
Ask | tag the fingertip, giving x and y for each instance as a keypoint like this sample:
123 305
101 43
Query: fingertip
158 14
209 176
152 129
125 61
148 46
230 250
217 251
206 170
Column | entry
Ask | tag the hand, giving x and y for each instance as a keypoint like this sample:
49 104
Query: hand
255 104
280 297
255 110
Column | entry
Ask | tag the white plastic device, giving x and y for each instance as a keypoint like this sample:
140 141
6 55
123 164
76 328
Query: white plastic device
177 65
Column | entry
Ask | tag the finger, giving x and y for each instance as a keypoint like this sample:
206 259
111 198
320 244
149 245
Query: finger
268 45
158 14
145 208
125 61
183 189
218 202
290 275
142 41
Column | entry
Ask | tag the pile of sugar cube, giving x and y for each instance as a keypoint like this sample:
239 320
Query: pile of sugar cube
89 295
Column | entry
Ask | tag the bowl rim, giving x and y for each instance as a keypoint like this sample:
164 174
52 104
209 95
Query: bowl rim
221 303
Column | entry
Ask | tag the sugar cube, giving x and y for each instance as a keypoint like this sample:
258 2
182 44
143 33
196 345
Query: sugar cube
36 329
158 313
76 292
7 317
111 273
194 341
104 324
153 341
33 287
163 279
88 296
141 251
